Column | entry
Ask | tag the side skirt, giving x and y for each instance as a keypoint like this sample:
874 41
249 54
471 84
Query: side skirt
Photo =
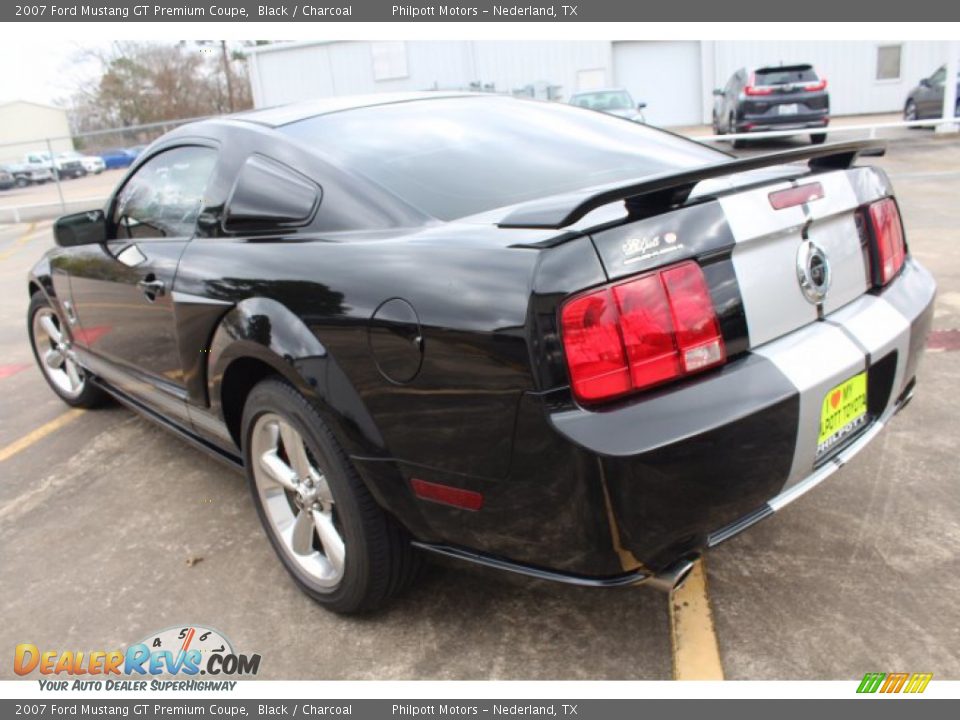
632 578
229 459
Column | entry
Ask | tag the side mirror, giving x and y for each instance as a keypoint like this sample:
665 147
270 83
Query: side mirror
717 92
85 228
925 82
641 105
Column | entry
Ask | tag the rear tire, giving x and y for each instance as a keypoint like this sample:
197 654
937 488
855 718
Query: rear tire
337 543
52 348
818 138
737 143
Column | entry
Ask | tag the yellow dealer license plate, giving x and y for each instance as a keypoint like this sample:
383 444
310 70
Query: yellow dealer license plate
844 412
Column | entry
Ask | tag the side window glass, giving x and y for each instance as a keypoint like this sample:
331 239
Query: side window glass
938 77
164 197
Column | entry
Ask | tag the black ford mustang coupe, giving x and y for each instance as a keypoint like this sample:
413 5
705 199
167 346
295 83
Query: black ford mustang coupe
522 334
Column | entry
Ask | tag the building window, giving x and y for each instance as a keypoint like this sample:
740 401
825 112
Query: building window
888 62
389 60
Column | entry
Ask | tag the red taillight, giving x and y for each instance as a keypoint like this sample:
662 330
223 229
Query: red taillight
890 250
594 347
816 86
757 90
698 337
639 333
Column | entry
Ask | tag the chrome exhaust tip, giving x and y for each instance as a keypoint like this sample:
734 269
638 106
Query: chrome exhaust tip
673 577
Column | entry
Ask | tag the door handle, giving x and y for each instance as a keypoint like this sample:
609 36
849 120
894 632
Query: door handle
152 287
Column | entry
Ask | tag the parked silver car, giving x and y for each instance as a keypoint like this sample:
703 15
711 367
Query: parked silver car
614 101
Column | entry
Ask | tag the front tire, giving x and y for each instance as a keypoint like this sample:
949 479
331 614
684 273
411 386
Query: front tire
53 350
341 548
910 111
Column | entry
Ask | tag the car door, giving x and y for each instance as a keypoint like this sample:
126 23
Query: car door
930 95
121 289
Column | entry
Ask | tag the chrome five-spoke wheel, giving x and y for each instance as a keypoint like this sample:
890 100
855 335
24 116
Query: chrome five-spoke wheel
335 540
55 353
297 500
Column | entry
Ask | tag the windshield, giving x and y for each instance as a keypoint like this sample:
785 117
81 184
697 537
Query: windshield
606 100
455 157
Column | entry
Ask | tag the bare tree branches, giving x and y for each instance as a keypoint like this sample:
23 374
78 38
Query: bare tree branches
154 82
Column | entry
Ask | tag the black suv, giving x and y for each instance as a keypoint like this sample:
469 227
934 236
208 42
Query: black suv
786 97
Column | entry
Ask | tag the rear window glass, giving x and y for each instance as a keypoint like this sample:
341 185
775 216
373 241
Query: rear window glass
455 157
786 75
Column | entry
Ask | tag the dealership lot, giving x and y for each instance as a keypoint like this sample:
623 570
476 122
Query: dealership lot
113 529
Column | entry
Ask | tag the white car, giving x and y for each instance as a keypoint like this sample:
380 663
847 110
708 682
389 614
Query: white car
91 163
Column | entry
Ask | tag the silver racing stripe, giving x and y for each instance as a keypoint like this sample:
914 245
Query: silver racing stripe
879 328
766 242
814 359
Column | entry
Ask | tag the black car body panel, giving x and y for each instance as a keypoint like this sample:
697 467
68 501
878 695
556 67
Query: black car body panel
433 348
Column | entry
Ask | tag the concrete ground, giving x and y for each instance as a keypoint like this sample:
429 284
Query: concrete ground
111 529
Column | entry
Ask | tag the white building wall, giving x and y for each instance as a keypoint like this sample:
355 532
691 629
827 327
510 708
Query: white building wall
651 70
303 70
666 75
24 127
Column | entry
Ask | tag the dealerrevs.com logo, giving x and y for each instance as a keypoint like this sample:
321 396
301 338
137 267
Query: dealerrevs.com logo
178 652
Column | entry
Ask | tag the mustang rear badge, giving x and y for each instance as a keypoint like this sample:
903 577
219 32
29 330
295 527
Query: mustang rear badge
813 271
636 249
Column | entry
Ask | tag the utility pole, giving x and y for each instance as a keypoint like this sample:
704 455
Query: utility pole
227 74
949 124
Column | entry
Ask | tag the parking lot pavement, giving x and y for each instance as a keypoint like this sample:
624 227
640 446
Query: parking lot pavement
99 518
43 201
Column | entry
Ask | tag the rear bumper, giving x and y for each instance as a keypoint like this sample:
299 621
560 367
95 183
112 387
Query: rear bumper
690 467
615 496
762 123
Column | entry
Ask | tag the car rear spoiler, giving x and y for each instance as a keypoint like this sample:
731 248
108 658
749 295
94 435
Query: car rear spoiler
659 193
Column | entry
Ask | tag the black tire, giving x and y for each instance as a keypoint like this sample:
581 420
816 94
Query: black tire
87 395
910 112
22 182
732 130
818 138
379 559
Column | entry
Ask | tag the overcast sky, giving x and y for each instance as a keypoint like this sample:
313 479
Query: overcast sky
43 72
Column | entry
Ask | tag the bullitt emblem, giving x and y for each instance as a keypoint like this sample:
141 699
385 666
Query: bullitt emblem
813 271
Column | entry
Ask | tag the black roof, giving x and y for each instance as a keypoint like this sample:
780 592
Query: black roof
285 114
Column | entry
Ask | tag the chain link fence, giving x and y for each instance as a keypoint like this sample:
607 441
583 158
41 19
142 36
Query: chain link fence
49 176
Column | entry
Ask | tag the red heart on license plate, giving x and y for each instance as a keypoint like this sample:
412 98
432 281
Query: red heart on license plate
835 398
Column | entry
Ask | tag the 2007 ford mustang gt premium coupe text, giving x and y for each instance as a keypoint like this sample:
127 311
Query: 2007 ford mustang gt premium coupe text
517 333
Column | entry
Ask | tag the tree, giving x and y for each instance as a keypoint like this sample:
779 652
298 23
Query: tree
142 83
